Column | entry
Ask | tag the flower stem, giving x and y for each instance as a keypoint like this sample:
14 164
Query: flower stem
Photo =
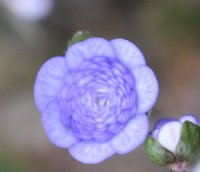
178 167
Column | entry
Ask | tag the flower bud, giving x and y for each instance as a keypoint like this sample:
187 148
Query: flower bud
78 37
175 143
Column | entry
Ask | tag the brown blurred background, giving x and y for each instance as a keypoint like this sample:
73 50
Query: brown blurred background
167 32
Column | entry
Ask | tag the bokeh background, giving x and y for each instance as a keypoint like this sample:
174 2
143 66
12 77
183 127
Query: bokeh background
167 32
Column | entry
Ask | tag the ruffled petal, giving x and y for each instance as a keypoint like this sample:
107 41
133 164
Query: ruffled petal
127 53
58 134
49 81
132 135
190 118
169 135
147 88
90 152
85 50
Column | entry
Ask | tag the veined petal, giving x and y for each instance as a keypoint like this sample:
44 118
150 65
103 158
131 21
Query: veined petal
147 88
127 53
190 118
58 134
49 81
132 135
90 152
169 135
85 50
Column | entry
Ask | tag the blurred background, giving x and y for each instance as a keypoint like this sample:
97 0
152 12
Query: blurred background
31 31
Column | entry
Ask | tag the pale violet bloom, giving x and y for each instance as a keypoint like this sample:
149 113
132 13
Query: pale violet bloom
167 131
196 168
29 9
94 99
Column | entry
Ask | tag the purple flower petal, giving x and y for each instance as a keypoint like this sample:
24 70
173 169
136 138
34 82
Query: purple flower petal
132 135
86 50
159 124
49 81
190 118
162 122
58 134
128 53
90 152
196 167
147 88
169 135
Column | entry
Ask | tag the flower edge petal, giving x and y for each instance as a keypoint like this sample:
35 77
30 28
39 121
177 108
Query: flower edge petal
57 133
132 135
146 87
48 82
86 50
91 152
127 53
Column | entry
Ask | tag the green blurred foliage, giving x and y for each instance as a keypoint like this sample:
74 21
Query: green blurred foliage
11 163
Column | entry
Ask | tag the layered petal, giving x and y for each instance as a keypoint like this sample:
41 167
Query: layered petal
190 118
146 87
169 135
49 80
127 53
132 135
90 152
57 133
86 50
159 124
88 109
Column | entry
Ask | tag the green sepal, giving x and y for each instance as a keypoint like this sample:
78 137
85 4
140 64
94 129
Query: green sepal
78 37
158 154
188 148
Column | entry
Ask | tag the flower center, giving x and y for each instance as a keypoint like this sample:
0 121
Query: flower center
98 99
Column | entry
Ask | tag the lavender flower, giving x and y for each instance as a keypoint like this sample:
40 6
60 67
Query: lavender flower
32 10
93 101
